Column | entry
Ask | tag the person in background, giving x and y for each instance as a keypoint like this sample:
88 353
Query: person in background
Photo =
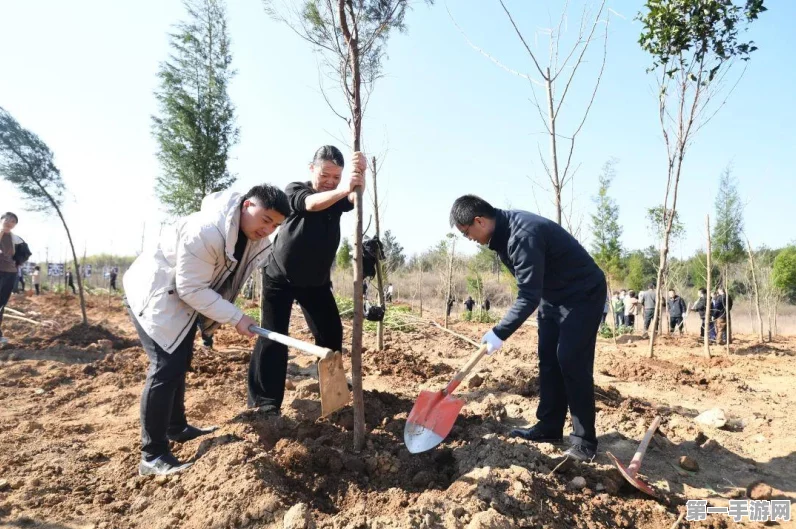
113 275
389 293
469 303
647 299
8 267
449 307
700 306
487 305
619 309
606 308
70 281
36 275
631 309
678 310
720 315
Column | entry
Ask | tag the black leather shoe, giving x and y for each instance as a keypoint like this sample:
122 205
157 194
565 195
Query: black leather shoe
162 466
537 435
190 433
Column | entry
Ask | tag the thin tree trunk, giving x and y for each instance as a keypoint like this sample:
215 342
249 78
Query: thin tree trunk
74 258
420 288
551 118
727 306
450 281
611 310
707 288
379 278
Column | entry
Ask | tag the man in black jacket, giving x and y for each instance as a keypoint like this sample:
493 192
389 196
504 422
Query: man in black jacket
557 275
700 307
677 309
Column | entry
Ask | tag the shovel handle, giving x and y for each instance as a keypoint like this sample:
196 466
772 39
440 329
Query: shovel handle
465 370
321 352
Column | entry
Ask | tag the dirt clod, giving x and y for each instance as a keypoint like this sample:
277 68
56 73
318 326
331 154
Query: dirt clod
689 463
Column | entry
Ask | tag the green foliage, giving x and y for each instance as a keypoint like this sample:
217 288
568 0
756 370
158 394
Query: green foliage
485 261
27 163
696 268
606 248
784 272
696 37
393 252
641 269
396 317
657 221
479 316
344 255
196 126
606 331
726 243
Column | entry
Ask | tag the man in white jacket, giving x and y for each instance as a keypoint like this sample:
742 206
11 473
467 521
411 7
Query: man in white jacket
197 270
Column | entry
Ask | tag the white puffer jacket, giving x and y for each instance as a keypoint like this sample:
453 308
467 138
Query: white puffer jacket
185 275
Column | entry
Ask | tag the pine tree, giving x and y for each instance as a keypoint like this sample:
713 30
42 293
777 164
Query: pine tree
393 252
196 126
606 247
344 255
727 244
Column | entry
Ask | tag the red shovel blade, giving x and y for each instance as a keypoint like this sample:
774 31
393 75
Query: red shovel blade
430 420
633 479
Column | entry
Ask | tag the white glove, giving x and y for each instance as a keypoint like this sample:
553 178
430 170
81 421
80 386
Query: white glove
493 343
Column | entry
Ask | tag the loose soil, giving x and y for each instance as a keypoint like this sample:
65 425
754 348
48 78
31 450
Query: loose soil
69 434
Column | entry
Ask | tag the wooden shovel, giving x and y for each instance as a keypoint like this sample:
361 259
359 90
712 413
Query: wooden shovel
434 413
331 373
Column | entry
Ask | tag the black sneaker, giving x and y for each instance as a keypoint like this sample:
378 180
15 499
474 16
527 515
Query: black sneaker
581 452
162 466
190 433
536 434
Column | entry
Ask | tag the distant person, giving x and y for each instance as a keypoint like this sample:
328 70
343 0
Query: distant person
36 275
723 304
469 303
449 306
389 293
647 299
8 266
631 309
619 309
557 276
677 309
486 305
70 281
699 307
606 309
113 275
622 295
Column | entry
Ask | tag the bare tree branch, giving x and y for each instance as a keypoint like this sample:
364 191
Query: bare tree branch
519 34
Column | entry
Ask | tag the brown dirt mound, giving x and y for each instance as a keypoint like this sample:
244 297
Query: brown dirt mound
406 365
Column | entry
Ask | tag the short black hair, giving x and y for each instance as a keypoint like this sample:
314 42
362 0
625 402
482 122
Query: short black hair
651 285
8 215
467 207
269 197
703 291
329 153
632 293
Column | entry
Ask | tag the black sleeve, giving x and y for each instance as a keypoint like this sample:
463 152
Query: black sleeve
683 306
297 193
528 261
343 205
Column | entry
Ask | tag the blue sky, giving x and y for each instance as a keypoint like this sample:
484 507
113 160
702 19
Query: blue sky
82 75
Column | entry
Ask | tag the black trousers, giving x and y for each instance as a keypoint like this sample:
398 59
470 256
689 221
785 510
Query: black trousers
37 286
648 315
566 367
702 328
7 281
630 320
676 322
268 365
163 398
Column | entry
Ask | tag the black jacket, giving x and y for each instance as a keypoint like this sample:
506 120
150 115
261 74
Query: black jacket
306 245
676 307
551 267
700 306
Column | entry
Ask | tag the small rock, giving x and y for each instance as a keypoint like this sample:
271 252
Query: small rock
4 485
599 487
39 391
715 418
34 482
490 519
710 445
758 490
298 517
578 482
475 381
105 345
289 385
689 463
161 480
